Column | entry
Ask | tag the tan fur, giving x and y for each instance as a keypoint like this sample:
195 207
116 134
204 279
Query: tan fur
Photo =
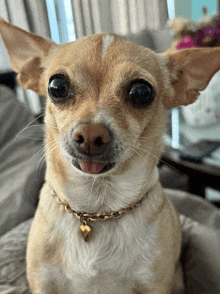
139 252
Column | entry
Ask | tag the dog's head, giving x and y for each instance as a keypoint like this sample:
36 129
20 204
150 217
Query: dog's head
106 96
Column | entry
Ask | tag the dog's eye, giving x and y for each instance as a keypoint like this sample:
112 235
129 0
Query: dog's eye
58 88
141 94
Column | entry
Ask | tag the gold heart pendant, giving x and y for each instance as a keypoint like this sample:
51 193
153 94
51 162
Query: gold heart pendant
85 232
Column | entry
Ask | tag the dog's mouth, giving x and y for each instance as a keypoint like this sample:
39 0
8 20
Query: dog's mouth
92 167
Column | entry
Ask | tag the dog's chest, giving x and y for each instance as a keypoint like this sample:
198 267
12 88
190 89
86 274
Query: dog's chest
120 255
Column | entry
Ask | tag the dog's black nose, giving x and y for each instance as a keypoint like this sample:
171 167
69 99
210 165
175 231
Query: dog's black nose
91 139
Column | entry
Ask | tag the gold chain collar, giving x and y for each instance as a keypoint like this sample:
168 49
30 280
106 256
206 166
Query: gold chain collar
85 230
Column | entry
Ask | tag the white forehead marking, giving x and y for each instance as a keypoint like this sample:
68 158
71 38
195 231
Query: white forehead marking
106 42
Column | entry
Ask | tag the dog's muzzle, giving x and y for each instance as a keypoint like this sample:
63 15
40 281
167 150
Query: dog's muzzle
93 148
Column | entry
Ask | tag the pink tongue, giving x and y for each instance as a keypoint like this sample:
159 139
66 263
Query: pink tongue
91 166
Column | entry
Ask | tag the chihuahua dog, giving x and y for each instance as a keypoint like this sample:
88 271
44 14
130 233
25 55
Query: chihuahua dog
113 229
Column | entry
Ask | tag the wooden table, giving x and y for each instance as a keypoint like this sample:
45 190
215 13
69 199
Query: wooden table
201 175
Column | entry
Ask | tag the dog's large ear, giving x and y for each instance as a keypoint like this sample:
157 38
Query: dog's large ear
28 54
190 71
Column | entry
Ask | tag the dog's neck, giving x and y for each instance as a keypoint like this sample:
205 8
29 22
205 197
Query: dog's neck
105 194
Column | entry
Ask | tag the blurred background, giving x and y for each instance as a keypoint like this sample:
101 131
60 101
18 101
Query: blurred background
191 160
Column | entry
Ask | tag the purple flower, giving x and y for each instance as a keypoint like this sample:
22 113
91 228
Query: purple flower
206 35
218 23
186 42
217 34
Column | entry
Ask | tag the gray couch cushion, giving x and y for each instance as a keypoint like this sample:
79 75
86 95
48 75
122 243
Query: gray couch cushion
157 40
13 260
143 38
201 242
162 39
13 115
21 168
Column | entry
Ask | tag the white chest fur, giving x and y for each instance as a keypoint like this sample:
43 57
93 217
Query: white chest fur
118 258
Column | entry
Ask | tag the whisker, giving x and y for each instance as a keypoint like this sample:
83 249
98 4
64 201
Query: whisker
148 138
37 153
58 156
36 139
28 126
52 126
45 154
149 153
